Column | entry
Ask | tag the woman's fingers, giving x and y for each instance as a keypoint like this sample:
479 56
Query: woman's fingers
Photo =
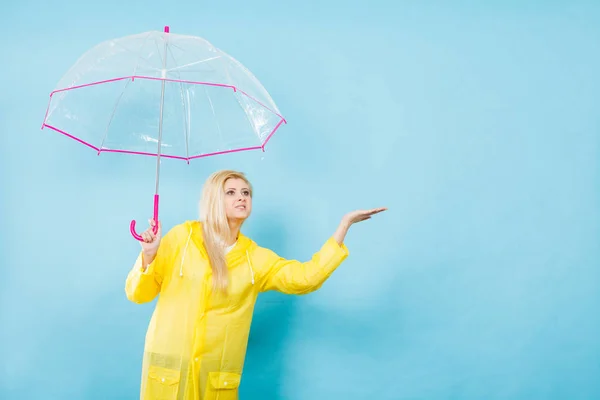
373 211
152 224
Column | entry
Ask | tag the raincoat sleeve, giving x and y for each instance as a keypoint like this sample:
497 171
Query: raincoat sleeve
143 286
295 277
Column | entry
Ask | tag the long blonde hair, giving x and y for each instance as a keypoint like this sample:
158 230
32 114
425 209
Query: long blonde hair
215 226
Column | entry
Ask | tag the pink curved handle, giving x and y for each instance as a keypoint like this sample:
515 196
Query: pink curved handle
154 228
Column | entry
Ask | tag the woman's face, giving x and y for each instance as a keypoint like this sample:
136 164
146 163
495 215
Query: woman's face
238 199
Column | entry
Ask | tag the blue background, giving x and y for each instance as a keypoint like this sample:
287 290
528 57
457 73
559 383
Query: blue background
478 125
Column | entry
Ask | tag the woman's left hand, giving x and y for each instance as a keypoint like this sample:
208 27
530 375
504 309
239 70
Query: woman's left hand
352 218
361 215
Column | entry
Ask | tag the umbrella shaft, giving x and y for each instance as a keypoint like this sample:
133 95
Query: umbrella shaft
160 118
160 124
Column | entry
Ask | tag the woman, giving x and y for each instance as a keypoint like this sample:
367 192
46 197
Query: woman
209 275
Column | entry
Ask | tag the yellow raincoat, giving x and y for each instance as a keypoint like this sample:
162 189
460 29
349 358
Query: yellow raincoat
196 340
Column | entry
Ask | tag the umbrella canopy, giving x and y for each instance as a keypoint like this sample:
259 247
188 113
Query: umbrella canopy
164 95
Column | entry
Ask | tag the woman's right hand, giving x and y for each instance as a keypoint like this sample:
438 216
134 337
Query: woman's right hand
151 241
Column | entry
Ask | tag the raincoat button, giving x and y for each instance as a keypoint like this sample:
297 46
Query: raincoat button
225 383
196 359
163 379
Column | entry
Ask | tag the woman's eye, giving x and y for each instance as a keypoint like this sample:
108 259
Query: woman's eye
229 192
246 193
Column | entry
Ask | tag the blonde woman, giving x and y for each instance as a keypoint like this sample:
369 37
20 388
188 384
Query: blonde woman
208 275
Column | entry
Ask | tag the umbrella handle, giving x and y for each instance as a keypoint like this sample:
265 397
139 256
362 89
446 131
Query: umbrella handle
154 228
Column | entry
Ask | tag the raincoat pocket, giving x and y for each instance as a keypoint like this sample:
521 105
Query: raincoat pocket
162 384
222 386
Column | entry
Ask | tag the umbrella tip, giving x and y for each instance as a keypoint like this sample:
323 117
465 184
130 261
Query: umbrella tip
167 29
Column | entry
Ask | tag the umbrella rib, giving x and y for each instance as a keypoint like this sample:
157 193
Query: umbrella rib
187 122
116 42
170 52
137 63
185 111
112 115
193 63
158 50
177 47
244 110
212 108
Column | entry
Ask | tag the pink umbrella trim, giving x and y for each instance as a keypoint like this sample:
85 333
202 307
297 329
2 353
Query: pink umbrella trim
104 150
133 77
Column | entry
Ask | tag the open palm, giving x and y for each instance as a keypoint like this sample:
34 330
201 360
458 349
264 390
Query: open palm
361 215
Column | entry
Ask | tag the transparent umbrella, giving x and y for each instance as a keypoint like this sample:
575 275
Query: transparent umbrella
163 95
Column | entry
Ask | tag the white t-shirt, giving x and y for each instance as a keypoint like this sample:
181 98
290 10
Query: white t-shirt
228 249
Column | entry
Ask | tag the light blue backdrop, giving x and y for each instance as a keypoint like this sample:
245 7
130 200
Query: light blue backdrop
477 124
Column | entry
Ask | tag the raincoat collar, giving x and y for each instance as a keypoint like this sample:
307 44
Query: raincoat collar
194 230
238 255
